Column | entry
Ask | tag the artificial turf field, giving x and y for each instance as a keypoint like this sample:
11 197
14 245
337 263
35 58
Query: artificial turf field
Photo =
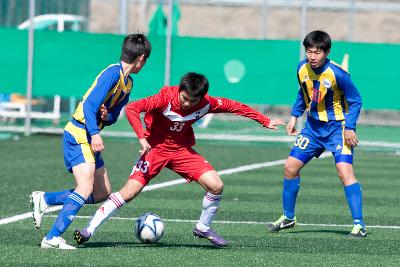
251 198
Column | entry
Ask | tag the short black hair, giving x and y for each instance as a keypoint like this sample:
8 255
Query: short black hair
194 84
318 39
135 45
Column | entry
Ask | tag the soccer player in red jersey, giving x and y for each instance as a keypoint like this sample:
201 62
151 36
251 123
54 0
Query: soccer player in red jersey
167 142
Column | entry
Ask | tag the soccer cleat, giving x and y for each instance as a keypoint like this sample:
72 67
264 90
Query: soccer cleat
81 236
282 223
358 231
39 206
213 237
56 242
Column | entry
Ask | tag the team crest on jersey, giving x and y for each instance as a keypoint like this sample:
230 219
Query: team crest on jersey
327 83
173 116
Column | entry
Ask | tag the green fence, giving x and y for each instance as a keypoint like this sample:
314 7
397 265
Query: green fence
252 71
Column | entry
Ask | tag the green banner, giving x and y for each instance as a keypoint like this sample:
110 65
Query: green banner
251 71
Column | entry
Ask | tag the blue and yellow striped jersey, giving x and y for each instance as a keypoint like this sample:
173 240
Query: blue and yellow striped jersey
109 88
327 93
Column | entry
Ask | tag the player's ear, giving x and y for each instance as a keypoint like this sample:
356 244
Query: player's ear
327 52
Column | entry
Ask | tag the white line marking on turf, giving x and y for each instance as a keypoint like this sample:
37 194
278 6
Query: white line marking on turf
165 184
25 216
224 137
247 222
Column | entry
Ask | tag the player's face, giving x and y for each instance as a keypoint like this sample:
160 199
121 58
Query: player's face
138 64
316 57
186 101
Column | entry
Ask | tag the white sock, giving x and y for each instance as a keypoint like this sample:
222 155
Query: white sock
210 207
114 202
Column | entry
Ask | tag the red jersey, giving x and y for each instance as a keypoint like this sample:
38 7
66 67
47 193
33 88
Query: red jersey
169 126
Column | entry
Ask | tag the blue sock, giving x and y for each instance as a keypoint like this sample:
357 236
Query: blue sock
71 206
354 198
290 189
58 198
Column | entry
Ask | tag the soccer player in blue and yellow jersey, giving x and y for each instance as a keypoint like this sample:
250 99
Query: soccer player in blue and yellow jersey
100 107
333 105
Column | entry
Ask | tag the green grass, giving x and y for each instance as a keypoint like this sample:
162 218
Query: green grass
35 163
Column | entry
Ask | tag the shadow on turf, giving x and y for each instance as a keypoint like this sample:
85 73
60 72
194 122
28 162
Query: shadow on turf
141 245
339 232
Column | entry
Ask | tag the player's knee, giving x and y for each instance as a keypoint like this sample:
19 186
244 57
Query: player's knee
131 189
217 189
290 171
346 177
85 189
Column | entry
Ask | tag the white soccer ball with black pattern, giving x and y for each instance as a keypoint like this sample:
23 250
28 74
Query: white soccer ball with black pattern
149 228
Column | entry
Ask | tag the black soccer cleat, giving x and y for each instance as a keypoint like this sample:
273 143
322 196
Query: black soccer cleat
81 236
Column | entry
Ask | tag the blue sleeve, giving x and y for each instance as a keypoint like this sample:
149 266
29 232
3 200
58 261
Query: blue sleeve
300 105
353 99
107 80
114 114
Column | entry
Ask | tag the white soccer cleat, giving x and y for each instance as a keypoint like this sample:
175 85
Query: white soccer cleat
55 242
39 206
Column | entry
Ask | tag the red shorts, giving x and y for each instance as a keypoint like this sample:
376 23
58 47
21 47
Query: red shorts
184 161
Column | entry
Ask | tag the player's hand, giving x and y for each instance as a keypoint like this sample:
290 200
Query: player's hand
145 146
351 138
97 143
273 124
291 126
104 113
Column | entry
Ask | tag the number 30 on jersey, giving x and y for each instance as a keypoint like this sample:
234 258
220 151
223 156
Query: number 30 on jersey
301 141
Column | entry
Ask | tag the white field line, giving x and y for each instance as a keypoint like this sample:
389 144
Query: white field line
162 185
222 137
248 222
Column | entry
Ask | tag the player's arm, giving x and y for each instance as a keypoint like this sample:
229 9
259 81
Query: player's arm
93 102
133 111
112 116
298 109
224 105
353 98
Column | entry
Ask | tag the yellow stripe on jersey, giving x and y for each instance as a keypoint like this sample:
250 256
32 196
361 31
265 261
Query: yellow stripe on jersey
78 133
78 115
87 152
80 137
337 106
113 94
346 148
322 96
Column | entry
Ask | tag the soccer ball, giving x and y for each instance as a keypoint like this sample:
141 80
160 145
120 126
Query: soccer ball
149 228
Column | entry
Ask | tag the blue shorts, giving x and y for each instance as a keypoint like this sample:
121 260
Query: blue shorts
318 136
77 148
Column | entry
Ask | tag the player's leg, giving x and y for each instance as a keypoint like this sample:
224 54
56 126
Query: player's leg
213 185
142 173
304 149
101 186
75 153
343 154
192 166
115 201
291 186
84 177
353 194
